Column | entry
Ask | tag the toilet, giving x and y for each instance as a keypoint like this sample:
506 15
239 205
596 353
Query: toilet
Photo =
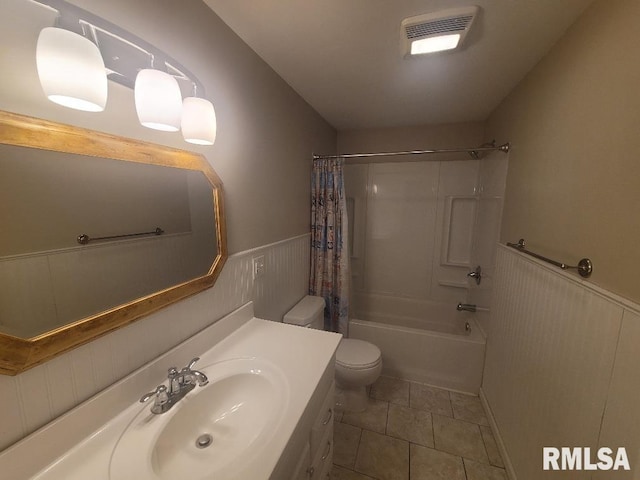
358 363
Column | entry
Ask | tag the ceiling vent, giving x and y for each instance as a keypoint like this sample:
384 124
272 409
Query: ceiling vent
437 31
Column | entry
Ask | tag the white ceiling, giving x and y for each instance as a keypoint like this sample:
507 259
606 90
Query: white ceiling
343 56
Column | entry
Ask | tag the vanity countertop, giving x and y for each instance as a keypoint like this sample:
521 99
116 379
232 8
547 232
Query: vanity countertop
302 355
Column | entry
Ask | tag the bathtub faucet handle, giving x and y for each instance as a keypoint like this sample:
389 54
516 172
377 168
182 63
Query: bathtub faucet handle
467 307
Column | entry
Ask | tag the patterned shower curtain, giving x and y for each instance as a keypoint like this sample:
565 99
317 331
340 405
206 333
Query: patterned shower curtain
329 250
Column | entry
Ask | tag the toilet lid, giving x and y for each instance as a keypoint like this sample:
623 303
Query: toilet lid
357 354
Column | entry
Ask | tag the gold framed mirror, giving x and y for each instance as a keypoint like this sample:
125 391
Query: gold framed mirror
142 227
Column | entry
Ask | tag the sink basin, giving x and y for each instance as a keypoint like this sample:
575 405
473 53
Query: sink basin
215 431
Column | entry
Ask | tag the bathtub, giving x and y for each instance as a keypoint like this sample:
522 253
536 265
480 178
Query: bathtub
422 341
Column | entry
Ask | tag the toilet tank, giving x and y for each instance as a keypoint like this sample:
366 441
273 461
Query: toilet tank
308 312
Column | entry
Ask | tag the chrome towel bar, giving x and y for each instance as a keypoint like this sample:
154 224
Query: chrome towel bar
83 239
584 267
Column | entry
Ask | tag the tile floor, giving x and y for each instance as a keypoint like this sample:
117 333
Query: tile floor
416 432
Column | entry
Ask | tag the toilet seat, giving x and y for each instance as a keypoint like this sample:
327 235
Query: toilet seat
357 354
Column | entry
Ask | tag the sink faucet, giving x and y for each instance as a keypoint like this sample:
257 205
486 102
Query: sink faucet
181 382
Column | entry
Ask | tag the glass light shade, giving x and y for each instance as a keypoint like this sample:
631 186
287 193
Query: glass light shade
71 70
198 121
158 100
435 44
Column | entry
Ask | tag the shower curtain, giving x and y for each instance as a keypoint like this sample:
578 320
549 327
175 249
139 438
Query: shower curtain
329 250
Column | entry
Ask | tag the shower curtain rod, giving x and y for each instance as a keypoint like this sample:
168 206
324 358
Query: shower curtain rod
471 151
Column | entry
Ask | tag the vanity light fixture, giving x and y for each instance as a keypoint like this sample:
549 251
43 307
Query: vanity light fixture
158 100
436 31
198 121
77 56
71 70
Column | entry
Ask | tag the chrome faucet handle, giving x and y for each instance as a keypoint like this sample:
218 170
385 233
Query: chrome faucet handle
161 403
192 363
160 393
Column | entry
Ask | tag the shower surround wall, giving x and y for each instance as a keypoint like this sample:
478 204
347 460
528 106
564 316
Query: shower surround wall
412 233
417 230
449 281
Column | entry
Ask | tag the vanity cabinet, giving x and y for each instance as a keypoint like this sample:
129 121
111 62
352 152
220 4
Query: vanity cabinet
301 471
316 459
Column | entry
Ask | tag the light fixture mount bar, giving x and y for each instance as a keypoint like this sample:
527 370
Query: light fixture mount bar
124 53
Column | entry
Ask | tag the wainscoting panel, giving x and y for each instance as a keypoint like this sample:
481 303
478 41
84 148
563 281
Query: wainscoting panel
621 421
39 395
550 356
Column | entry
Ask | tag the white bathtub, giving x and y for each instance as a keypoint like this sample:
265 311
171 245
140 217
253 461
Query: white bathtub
422 341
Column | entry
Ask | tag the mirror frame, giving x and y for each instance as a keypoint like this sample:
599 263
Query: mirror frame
19 354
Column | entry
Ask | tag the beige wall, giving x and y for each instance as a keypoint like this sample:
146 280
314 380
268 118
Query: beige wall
266 132
574 124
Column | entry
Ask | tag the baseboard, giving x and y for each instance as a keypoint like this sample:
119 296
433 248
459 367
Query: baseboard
508 466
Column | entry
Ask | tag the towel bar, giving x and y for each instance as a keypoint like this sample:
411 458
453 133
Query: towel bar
83 239
584 267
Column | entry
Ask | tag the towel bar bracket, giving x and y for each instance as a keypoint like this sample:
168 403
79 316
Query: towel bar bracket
585 267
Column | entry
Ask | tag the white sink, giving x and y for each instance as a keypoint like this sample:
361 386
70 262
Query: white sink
215 431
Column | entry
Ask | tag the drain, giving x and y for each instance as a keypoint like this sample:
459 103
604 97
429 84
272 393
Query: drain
203 441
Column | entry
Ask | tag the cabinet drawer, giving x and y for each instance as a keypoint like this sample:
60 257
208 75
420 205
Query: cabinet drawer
327 463
324 457
323 421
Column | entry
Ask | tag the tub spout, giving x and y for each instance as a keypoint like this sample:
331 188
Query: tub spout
467 307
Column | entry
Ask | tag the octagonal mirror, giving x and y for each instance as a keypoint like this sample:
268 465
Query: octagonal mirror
98 231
